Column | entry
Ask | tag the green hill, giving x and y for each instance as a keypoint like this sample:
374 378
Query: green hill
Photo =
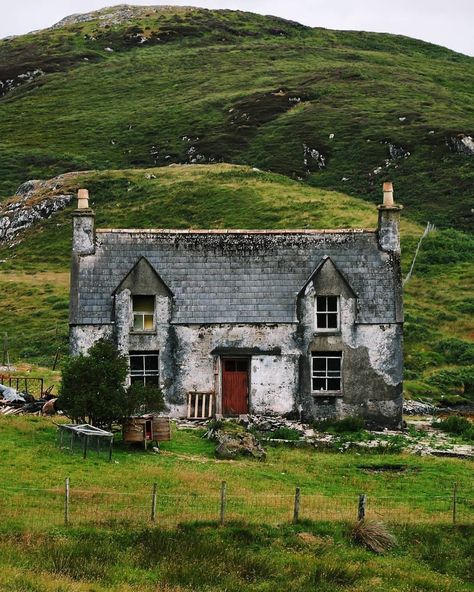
126 92
149 86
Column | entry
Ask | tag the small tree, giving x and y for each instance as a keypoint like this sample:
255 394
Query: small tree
144 399
92 385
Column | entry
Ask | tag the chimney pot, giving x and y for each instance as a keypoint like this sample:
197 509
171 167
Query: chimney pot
83 199
388 194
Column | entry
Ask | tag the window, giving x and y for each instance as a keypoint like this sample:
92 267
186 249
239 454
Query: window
144 368
326 371
143 313
327 313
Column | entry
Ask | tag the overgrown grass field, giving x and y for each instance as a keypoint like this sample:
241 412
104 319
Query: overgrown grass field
399 487
111 543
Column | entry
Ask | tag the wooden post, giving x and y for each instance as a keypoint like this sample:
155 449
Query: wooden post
223 502
455 495
296 509
153 502
84 454
111 442
361 509
66 502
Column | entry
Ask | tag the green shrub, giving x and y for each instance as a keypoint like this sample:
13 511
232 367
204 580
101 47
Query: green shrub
92 385
456 351
144 399
454 380
349 424
456 425
284 433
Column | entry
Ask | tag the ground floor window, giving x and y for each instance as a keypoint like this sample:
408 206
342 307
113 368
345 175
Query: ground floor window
326 370
144 368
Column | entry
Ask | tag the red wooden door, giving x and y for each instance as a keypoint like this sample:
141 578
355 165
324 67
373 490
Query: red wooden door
235 386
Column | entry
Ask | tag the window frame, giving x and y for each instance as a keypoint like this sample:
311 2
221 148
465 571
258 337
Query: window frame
327 312
327 376
145 372
142 314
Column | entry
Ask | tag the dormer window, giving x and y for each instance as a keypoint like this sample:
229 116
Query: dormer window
327 313
143 311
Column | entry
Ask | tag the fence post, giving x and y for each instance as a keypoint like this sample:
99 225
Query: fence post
296 509
223 502
66 502
361 508
84 453
153 502
455 495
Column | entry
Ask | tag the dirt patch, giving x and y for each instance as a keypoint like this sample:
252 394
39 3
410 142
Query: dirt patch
388 468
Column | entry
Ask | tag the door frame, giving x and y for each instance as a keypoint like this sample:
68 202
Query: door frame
221 360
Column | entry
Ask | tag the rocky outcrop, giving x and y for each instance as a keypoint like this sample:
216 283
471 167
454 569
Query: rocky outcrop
313 159
115 15
33 201
411 407
8 84
461 144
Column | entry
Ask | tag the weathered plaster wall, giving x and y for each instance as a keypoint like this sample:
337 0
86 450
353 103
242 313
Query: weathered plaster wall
82 337
372 364
272 378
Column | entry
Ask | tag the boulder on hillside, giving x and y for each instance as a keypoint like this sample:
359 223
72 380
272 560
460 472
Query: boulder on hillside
231 445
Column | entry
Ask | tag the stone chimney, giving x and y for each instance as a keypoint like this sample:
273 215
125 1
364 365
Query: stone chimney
83 219
389 220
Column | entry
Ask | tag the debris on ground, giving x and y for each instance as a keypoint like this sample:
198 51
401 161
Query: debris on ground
13 402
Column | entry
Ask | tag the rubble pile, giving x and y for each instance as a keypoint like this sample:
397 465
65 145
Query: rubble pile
13 402
411 407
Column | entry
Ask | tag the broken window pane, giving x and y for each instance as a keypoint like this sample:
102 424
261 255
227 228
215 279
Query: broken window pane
326 371
144 368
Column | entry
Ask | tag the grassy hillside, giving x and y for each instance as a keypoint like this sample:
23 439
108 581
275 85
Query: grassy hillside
146 87
34 275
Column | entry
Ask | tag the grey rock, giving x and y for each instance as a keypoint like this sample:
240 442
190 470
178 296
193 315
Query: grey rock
233 445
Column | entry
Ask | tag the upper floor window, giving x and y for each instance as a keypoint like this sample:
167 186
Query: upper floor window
143 313
327 313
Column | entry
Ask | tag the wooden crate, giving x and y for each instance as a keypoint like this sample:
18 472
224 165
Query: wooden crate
146 429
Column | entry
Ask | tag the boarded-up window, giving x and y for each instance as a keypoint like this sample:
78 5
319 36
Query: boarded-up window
326 371
143 313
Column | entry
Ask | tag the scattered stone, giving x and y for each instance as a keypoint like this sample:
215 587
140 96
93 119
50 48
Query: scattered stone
411 407
402 119
108 49
461 144
397 152
313 159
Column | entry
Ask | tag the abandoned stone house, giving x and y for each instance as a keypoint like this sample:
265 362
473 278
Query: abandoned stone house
229 322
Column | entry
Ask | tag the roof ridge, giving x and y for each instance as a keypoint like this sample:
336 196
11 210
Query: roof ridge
234 231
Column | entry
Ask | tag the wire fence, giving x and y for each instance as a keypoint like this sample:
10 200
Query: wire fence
32 509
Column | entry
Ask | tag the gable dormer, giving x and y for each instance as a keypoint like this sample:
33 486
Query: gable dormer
326 279
323 298
143 298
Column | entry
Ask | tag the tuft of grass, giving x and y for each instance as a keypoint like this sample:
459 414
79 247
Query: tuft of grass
347 425
373 535
456 425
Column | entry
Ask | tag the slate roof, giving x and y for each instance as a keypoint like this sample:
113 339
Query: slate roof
235 276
